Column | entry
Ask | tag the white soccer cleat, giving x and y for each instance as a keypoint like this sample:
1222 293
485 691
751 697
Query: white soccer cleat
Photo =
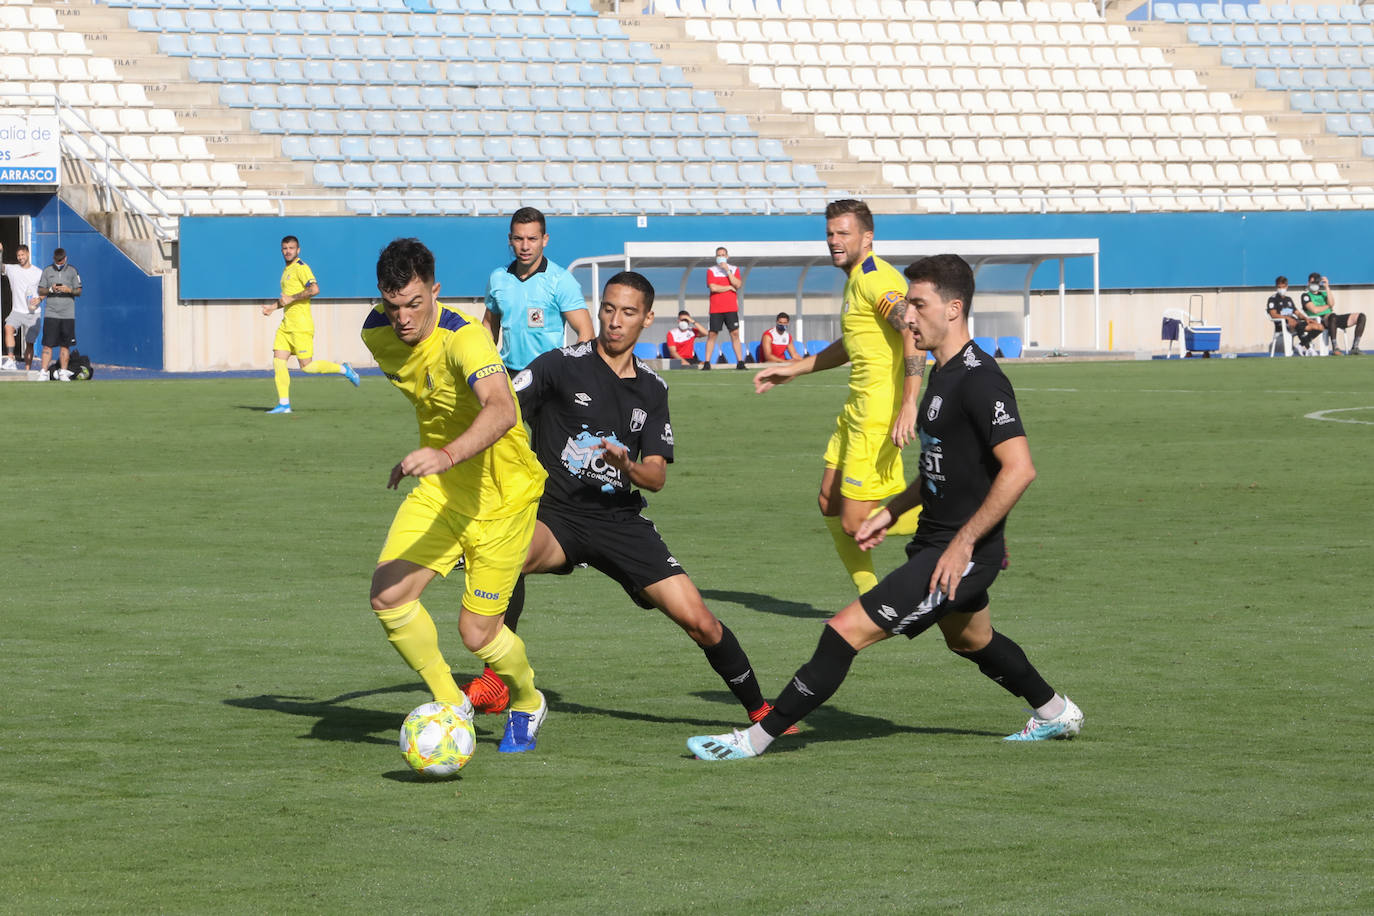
734 746
1063 726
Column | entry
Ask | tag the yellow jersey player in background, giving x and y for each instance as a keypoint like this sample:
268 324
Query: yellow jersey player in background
863 460
296 333
478 491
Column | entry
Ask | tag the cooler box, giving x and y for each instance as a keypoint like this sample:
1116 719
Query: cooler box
1201 339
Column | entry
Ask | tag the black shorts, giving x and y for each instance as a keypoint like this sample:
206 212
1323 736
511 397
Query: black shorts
724 319
902 604
59 332
627 547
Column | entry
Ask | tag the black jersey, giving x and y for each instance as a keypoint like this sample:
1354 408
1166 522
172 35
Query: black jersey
572 400
967 409
1281 304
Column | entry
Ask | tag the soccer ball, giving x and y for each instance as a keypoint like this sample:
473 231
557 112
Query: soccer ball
437 739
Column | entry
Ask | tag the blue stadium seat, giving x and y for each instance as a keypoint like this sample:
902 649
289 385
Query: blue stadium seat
689 149
287 47
379 122
746 149
387 175
779 175
815 346
265 121
516 98
1339 125
1302 101
354 147
314 72
646 350
293 147
292 97
325 149
319 121
327 174
417 175
239 71
315 47
357 174
1325 102
173 44
1362 124
986 344
1009 347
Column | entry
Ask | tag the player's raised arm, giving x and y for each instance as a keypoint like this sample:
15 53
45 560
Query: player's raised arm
772 376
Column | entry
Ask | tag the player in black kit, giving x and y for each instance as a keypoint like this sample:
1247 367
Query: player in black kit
975 464
601 429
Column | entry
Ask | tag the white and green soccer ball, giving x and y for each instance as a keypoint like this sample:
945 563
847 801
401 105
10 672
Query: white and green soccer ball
437 739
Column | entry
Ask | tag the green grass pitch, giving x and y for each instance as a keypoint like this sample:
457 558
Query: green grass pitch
199 708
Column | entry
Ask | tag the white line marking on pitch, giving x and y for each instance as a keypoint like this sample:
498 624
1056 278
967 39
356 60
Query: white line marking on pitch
1322 415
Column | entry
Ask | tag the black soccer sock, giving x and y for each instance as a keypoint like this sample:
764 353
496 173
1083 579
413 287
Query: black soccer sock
1006 664
813 684
1330 322
516 605
1359 329
729 661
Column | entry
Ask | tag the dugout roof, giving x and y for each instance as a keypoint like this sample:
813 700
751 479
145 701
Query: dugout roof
691 257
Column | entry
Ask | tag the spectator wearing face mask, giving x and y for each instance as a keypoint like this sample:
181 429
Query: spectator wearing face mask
682 340
724 282
1320 302
776 344
1281 307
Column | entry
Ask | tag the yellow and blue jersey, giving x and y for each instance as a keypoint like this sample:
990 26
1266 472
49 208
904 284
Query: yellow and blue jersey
877 370
295 278
437 375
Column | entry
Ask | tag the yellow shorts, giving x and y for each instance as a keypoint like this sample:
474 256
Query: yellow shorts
427 533
299 343
870 465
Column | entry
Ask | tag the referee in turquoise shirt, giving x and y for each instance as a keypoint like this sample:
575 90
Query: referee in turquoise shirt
530 300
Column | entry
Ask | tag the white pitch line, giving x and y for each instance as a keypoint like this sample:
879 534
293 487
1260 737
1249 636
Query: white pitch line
1322 415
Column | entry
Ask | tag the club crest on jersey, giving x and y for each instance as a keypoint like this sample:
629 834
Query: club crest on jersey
971 359
933 410
535 317
637 418
582 399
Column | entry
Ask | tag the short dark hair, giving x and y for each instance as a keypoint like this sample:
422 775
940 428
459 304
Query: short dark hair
402 261
783 315
528 215
22 248
949 274
636 281
59 254
1280 280
860 210
684 312
720 248
290 238
1314 277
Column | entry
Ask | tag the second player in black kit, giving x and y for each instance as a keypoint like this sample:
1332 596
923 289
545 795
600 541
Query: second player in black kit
975 464
601 429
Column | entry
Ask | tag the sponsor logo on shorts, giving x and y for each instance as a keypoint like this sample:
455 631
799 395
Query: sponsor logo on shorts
672 561
1000 417
853 482
582 399
490 596
395 378
933 410
637 418
887 612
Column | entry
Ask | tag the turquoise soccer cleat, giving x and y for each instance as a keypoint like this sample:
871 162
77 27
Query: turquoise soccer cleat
352 375
734 746
281 408
1063 726
522 727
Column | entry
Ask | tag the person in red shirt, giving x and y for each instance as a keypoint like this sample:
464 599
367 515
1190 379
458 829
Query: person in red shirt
724 281
776 343
682 340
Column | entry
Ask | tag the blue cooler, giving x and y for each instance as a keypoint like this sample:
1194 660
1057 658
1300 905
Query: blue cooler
1202 339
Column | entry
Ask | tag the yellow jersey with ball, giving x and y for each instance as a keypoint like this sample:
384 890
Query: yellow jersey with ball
436 376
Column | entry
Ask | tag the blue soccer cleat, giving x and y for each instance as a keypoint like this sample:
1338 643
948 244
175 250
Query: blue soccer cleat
281 408
734 746
1063 726
352 375
522 727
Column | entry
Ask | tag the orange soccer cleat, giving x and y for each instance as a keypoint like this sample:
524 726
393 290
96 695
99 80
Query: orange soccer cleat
487 692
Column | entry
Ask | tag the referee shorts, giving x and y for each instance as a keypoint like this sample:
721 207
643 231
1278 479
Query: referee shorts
902 603
428 533
870 465
627 547
299 343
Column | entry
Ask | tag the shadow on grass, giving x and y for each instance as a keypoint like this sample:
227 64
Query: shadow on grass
769 604
335 721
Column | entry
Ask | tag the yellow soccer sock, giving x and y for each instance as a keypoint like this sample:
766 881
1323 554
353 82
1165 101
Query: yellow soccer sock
282 377
412 631
506 656
905 524
323 367
858 563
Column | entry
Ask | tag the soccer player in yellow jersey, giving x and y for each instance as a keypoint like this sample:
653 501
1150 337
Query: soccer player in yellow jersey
478 491
296 333
863 460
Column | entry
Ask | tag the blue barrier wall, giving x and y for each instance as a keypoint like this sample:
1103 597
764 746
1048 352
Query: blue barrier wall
119 313
240 257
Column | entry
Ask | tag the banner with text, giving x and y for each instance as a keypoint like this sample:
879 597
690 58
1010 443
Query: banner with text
29 151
